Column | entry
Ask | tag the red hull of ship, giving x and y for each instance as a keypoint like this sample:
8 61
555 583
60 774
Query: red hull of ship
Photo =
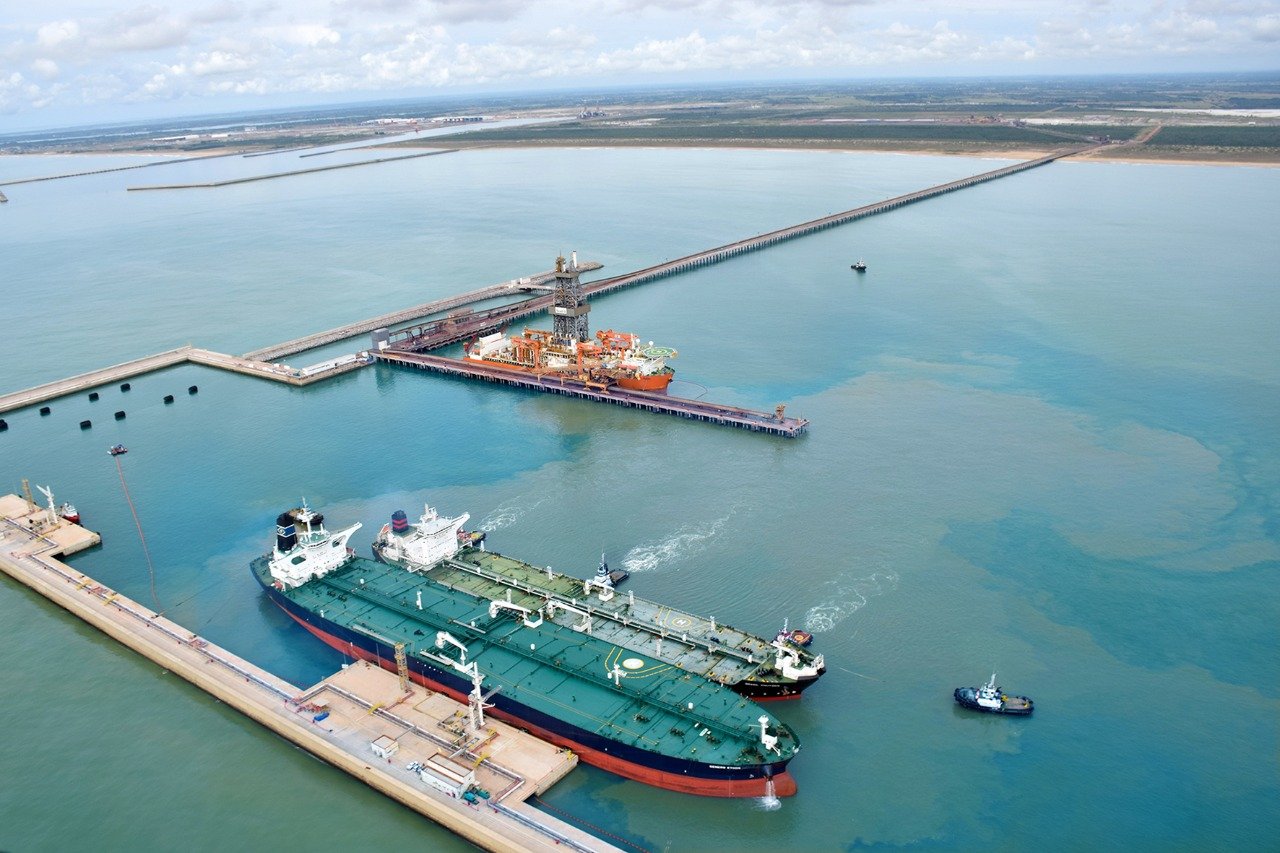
784 785
656 382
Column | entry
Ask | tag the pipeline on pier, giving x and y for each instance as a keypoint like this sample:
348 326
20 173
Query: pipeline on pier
569 386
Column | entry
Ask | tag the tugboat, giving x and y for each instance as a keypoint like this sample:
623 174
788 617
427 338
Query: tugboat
117 449
993 700
860 266
69 513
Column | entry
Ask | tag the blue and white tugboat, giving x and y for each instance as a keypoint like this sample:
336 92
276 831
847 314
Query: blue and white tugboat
993 700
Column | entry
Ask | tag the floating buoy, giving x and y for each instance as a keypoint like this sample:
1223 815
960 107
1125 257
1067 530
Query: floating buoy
86 424
120 415
93 396
168 398
125 386
44 410
193 389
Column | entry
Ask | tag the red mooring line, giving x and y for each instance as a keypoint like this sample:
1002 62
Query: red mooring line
151 569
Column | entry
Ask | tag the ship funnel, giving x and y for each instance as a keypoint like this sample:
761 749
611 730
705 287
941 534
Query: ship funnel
399 521
286 533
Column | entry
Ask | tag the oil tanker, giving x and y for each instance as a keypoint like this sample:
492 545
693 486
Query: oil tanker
761 669
622 710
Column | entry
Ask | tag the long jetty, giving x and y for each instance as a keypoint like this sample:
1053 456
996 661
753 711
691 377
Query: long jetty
250 179
493 291
571 386
15 182
261 363
173 358
451 329
364 703
770 238
439 333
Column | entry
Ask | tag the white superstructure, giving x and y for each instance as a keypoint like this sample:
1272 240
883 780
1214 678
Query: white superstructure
432 539
988 695
311 552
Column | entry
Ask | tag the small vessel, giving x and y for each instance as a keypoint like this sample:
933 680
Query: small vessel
623 710
750 665
68 512
117 449
860 266
993 700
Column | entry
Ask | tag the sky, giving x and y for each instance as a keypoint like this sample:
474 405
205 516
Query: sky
83 61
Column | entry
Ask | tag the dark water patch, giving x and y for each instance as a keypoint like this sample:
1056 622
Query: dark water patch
1225 622
1156 782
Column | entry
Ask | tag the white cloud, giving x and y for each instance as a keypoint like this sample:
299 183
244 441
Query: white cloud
220 12
301 35
46 68
1266 28
194 48
221 62
56 33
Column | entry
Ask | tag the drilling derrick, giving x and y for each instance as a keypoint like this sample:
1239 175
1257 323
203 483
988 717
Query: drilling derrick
569 313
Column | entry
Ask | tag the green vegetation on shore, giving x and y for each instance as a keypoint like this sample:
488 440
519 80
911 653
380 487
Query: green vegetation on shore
1209 117
812 132
1247 136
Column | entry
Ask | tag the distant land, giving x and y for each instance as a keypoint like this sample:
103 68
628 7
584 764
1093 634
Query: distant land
1229 118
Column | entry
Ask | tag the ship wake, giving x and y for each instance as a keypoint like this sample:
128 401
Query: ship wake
848 595
507 514
688 540
769 802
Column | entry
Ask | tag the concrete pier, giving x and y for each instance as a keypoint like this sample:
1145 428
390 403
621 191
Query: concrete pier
182 355
337 720
493 291
267 177
439 333
92 379
278 372
571 386
448 330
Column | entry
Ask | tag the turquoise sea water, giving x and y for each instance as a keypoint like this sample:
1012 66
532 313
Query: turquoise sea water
1043 441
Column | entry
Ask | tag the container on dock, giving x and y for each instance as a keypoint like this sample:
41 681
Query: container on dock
120 415
86 424
93 396
125 386
4 425
168 398
193 389
44 410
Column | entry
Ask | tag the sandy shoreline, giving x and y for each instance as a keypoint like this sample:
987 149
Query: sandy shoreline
1112 154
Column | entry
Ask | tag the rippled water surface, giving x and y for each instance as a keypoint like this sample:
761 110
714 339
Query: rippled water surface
1044 441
